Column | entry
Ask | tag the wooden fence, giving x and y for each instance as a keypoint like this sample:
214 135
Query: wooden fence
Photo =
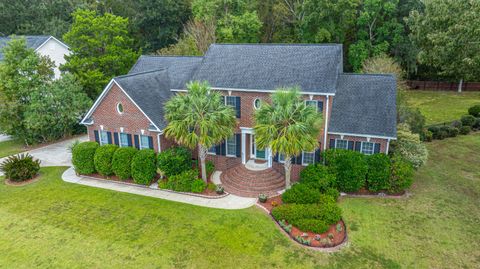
442 85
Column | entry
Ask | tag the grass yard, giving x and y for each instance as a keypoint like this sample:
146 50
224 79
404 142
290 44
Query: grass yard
10 147
54 224
439 107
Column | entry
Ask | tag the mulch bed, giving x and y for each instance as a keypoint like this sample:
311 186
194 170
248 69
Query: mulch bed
329 239
22 183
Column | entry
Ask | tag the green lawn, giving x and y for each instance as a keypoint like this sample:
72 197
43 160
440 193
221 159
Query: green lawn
439 107
10 147
51 224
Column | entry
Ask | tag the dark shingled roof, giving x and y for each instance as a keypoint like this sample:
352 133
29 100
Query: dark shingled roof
180 68
365 104
33 41
314 68
149 90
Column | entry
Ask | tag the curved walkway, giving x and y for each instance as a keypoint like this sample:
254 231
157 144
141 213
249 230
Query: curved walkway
228 202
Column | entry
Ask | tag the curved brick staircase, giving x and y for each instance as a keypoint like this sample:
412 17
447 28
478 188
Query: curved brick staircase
243 182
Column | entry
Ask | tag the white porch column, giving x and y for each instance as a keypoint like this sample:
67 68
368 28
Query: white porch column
244 157
269 157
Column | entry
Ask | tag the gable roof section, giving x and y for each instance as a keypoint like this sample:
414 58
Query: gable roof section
33 41
180 68
314 68
365 105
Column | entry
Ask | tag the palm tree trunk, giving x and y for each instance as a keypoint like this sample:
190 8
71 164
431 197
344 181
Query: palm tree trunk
202 154
288 169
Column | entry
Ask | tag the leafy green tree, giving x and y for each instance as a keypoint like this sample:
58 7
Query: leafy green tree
198 119
287 126
101 49
56 108
409 146
22 72
447 34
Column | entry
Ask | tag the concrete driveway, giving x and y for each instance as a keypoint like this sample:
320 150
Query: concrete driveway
4 137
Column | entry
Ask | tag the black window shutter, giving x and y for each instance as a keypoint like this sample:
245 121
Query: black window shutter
222 98
320 106
150 142
109 136
299 159
332 143
137 142
238 106
376 148
275 158
239 145
129 138
317 155
350 145
218 149
97 138
358 144
223 148
115 138
294 160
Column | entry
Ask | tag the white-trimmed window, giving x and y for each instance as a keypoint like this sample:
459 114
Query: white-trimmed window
341 144
367 148
231 101
124 140
144 143
308 157
312 103
103 137
212 150
281 158
257 103
231 146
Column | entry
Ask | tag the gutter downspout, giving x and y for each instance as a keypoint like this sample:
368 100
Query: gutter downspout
325 129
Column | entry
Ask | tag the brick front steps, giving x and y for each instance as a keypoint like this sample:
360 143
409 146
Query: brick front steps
243 182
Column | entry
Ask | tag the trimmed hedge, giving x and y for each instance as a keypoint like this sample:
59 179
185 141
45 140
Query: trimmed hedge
174 161
401 177
349 167
122 162
465 130
474 111
319 176
378 174
103 159
82 157
468 120
183 181
301 194
144 167
332 192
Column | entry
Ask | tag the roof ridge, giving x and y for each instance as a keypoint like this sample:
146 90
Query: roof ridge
281 44
141 73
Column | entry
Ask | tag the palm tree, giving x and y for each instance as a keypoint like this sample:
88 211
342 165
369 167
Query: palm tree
288 126
199 119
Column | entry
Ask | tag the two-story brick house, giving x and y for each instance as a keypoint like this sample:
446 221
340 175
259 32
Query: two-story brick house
359 110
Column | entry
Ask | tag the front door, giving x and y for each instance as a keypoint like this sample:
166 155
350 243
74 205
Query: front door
259 153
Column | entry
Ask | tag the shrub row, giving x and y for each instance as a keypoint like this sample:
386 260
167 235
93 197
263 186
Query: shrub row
464 126
174 161
186 181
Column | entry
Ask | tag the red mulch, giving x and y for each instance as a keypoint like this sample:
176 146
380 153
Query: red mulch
316 240
22 183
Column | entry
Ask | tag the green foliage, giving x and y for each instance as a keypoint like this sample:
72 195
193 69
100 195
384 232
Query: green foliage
210 167
301 194
20 167
474 111
378 174
184 181
83 157
144 167
477 124
318 176
465 130
401 174
349 167
409 146
185 46
262 198
198 186
426 135
244 28
219 189
103 159
122 162
468 120
211 186
101 48
332 192
174 161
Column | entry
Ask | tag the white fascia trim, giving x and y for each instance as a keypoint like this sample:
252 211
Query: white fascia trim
58 41
364 135
255 90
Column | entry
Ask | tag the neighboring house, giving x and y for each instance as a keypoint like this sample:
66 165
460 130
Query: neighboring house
46 46
359 110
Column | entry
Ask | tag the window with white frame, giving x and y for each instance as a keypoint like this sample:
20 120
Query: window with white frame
231 146
308 158
231 101
341 144
124 140
367 148
281 158
103 138
144 144
212 150
311 103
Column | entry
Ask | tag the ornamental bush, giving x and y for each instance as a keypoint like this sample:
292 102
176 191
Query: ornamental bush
349 167
468 120
378 174
198 186
20 167
122 162
319 176
465 130
301 193
409 146
174 161
210 166
103 159
401 176
82 157
332 192
312 225
183 182
144 167
477 124
474 111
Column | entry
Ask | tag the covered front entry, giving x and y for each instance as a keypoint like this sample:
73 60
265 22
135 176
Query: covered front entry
250 151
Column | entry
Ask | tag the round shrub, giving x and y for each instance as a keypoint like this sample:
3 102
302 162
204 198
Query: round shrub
378 173
332 192
122 162
426 136
103 159
477 124
174 161
183 182
82 157
465 130
312 225
198 186
349 168
143 166
20 167
401 176
301 194
456 124
474 111
468 120
319 176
